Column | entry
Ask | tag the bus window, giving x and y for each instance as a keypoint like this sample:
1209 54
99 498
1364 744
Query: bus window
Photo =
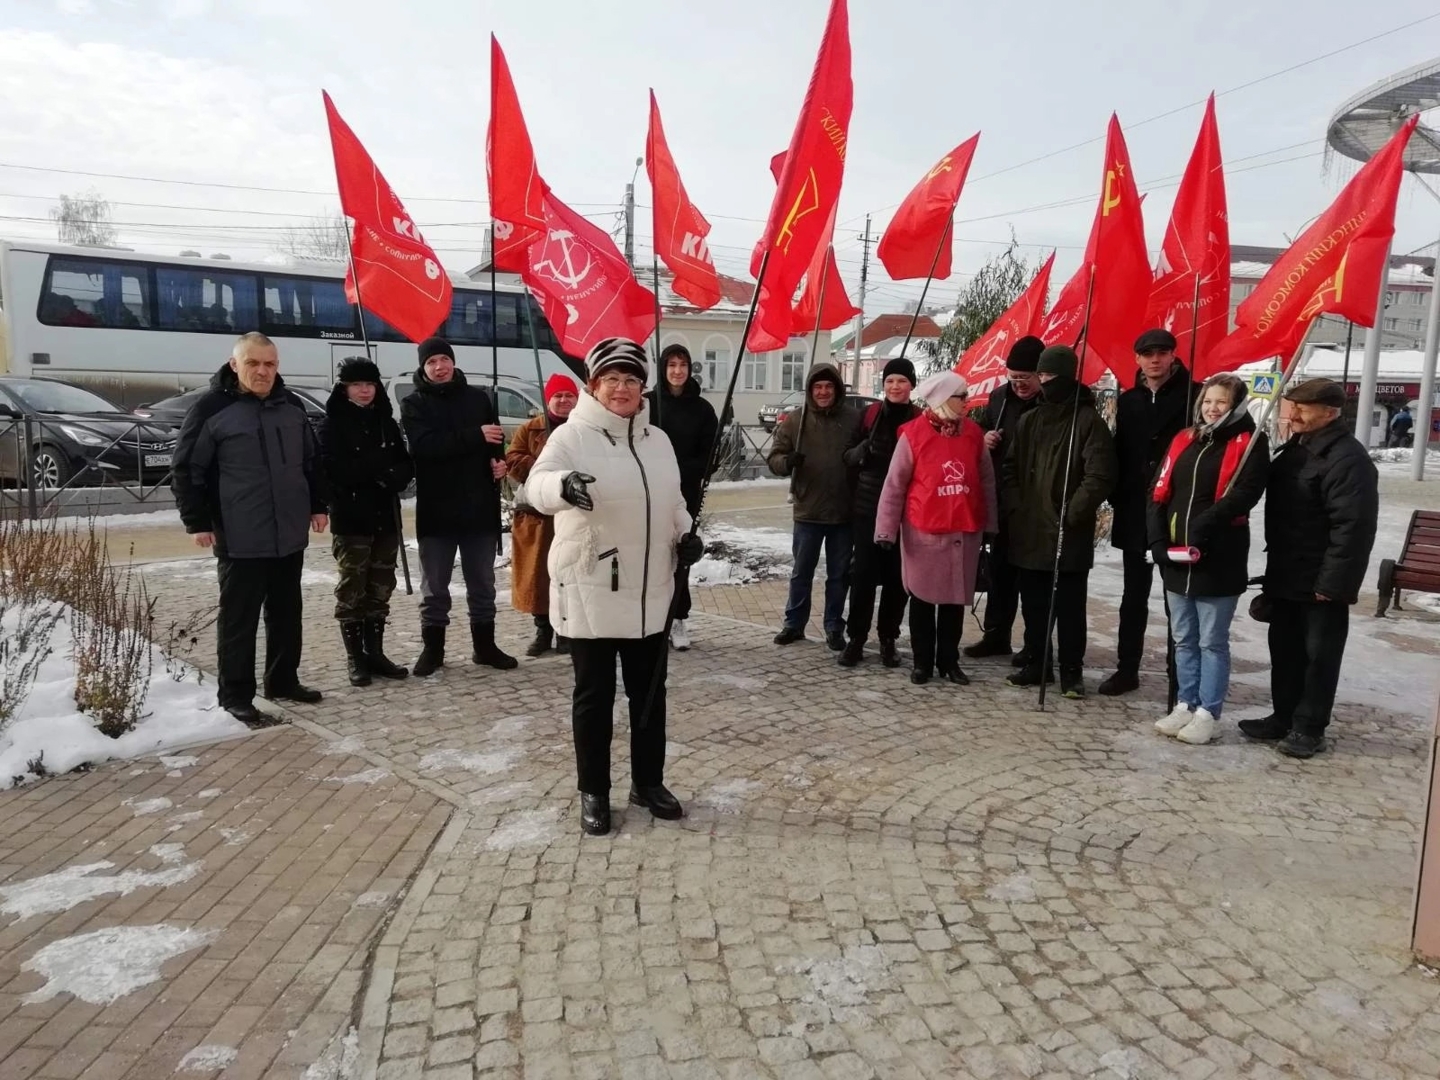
95 292
377 329
205 301
544 334
306 307
508 317
470 318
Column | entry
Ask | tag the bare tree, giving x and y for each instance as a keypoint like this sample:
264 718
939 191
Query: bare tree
982 300
322 237
84 219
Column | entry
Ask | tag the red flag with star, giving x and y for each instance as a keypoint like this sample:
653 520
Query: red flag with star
918 241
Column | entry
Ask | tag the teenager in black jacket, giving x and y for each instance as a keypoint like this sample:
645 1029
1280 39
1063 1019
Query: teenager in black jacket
678 409
1199 532
367 468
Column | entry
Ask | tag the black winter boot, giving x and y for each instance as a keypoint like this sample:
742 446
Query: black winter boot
889 654
486 652
352 634
562 645
432 656
989 645
854 652
375 658
544 634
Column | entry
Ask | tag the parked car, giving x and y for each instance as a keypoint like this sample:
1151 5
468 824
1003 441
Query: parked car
770 414
519 400
77 434
172 410
855 401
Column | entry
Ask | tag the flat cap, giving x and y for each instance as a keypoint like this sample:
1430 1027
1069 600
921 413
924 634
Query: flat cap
1317 392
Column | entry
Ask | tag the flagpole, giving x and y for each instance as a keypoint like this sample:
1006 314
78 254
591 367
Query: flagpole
814 350
1172 684
1065 490
1194 340
494 333
535 349
365 340
658 675
662 379
934 263
1270 406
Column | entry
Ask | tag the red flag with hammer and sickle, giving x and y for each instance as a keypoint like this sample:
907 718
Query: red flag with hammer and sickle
983 364
393 271
516 190
918 241
680 228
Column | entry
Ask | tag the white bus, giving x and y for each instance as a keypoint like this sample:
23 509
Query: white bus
136 328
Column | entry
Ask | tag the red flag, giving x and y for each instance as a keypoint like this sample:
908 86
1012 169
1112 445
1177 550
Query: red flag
809 185
1197 248
983 364
1118 263
516 191
680 228
837 309
395 272
921 227
1336 266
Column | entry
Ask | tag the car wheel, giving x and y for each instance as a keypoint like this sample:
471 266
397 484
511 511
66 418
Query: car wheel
50 466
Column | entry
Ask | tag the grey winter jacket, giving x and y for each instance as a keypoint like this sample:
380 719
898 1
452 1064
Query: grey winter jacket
247 469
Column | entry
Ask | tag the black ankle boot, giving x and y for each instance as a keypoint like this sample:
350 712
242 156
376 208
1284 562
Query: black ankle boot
594 814
854 652
889 654
482 636
544 634
432 656
352 634
375 658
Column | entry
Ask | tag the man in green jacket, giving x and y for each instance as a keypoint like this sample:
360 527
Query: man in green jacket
809 446
1033 491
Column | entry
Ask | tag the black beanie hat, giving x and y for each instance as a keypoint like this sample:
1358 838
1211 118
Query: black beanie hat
358 369
1059 360
900 366
1025 354
435 346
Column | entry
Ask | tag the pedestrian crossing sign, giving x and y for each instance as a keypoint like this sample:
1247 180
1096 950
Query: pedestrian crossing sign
1264 385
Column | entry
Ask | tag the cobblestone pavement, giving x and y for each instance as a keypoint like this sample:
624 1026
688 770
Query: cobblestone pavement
876 879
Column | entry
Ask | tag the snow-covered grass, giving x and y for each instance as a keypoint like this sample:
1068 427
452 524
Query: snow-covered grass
737 555
778 482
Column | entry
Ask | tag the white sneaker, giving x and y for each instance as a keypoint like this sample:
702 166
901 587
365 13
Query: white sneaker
680 635
1176 721
1200 730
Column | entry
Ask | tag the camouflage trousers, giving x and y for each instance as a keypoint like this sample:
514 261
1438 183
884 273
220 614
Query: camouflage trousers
367 575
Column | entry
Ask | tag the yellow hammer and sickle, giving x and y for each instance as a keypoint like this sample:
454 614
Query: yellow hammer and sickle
1112 194
944 166
810 187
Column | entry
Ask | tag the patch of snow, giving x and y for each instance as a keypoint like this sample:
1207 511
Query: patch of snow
169 854
145 807
710 572
103 966
844 984
497 761
341 1060
526 828
318 577
211 793
350 744
180 761
372 899
208 1058
729 797
1019 888
202 566
234 837
150 520
74 885
179 821
1124 1062
369 776
758 483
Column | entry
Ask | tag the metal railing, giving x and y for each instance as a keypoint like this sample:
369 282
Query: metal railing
42 458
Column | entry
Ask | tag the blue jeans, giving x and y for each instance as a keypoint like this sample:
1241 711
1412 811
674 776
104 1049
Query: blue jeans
1200 628
838 541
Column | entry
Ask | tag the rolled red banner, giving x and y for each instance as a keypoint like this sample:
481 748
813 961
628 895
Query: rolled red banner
1184 554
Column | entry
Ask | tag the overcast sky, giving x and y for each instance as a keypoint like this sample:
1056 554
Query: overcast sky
198 94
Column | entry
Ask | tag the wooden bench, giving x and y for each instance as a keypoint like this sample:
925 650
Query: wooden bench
1418 568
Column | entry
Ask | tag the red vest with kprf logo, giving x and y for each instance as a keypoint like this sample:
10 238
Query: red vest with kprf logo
947 490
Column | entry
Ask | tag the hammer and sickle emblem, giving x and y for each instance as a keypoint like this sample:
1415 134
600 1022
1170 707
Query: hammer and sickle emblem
1336 286
943 167
806 202
1112 191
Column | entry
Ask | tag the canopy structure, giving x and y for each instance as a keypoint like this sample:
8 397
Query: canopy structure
1363 124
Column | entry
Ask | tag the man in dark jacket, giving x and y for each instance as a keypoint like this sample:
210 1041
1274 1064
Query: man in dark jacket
1322 505
1147 417
809 446
677 409
1002 414
1033 492
247 481
367 467
872 445
457 445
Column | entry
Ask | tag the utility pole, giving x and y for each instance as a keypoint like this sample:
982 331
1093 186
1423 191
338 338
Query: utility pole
860 318
630 214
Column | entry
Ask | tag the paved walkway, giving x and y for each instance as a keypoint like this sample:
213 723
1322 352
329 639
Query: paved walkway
874 880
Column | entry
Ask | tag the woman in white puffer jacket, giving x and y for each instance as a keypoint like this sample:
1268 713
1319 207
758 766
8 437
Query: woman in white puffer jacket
612 483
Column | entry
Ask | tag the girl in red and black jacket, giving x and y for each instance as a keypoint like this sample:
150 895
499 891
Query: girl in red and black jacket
1199 531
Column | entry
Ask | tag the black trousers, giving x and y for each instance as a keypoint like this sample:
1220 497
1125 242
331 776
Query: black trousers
872 570
1003 599
680 606
1070 628
935 635
247 586
1307 645
593 711
1134 610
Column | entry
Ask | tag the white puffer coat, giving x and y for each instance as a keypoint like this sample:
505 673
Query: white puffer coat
612 569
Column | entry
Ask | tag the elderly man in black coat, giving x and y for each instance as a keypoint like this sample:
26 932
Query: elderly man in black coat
1322 505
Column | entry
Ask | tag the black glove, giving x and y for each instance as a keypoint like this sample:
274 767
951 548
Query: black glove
794 460
885 545
689 550
574 491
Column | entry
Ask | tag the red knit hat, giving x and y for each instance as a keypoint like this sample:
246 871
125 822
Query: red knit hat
560 384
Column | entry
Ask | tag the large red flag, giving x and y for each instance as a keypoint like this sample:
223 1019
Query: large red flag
680 228
1336 266
983 364
516 191
1196 249
1119 265
823 277
809 185
921 227
395 272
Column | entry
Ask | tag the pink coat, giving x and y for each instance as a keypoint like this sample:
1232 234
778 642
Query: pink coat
939 569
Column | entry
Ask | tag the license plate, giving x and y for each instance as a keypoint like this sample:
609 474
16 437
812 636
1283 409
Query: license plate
155 460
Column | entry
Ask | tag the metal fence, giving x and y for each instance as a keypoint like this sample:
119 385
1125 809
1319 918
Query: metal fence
44 459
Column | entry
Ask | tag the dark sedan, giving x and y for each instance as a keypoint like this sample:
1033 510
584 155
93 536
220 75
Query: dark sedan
172 410
76 436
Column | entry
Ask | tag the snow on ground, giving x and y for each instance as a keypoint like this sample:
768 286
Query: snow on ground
738 555
149 519
525 828
50 731
74 885
208 1059
778 482
103 966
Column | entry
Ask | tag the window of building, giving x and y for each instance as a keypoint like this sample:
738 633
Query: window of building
1392 324
755 371
715 369
792 369
306 307
205 301
97 293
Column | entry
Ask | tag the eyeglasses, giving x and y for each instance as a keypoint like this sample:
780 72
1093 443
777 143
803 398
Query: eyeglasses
629 382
